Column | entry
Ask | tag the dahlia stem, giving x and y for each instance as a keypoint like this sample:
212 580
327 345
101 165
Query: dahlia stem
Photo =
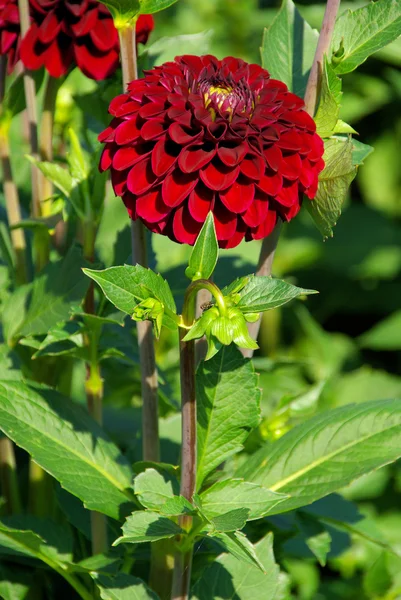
265 265
30 97
326 32
311 95
150 421
183 560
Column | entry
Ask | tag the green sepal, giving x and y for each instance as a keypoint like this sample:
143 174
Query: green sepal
152 310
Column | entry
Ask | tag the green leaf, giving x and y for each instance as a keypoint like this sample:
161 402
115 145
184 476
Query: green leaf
237 493
231 520
334 182
59 176
317 538
125 587
14 583
361 32
147 526
79 167
55 291
360 152
14 100
205 252
227 408
65 441
237 544
228 578
154 488
128 285
386 335
327 452
178 505
288 48
123 11
14 311
38 538
265 293
326 117
148 7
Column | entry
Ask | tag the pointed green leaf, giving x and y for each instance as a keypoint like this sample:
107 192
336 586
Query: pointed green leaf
231 520
288 48
178 505
154 488
227 408
326 117
65 441
58 175
385 335
360 33
147 526
360 152
317 538
125 587
237 493
148 7
265 293
237 544
127 286
205 252
327 452
229 578
56 291
334 182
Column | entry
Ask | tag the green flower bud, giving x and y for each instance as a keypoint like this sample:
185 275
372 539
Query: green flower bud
152 310
223 330
252 317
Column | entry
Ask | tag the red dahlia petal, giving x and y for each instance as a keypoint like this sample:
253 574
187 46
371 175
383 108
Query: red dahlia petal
236 238
271 183
119 181
126 157
164 155
290 140
85 23
218 176
185 228
273 156
257 212
266 227
289 195
253 167
94 64
56 59
224 221
177 186
106 159
231 156
192 158
182 135
49 28
126 132
291 166
151 207
104 35
238 197
151 109
141 177
201 201
152 129
31 59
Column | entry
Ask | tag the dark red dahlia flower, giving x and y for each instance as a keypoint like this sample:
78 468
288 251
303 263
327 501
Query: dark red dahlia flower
65 32
198 135
144 27
9 32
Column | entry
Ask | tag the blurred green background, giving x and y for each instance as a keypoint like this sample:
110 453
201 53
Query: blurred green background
340 346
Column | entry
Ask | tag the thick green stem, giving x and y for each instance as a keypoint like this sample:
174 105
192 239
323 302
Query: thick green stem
150 420
8 477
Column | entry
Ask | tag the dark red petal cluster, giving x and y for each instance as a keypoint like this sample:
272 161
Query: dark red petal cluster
144 27
71 32
9 32
198 135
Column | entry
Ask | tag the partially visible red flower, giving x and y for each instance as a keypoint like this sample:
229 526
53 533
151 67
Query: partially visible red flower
144 27
9 32
65 32
198 135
